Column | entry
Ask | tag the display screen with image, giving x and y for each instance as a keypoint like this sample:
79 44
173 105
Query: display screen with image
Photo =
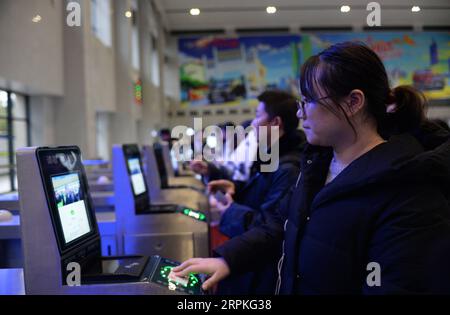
137 179
71 206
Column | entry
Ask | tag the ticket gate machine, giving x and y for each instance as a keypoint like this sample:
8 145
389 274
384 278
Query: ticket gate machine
60 237
167 175
168 195
167 229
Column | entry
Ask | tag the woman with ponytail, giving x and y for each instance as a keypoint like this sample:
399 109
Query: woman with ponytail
370 213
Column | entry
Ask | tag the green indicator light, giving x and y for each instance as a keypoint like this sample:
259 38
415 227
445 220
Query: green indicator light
194 214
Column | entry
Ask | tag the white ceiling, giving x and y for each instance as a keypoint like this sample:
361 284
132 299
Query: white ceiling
237 14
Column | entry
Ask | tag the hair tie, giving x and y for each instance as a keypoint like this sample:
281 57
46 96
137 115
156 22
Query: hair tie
391 99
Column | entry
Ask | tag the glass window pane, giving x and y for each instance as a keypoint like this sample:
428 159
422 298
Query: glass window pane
3 103
20 135
16 183
135 54
5 183
4 155
4 128
135 48
155 62
101 21
19 107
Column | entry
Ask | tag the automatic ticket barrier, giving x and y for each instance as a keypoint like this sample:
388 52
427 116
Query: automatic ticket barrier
171 230
167 174
61 242
195 198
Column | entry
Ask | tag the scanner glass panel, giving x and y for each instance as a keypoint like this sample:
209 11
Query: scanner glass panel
71 206
137 178
67 194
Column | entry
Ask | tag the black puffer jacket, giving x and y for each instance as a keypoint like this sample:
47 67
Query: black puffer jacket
258 197
255 202
390 206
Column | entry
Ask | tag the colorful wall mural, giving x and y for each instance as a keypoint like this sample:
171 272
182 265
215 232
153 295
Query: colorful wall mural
419 59
217 70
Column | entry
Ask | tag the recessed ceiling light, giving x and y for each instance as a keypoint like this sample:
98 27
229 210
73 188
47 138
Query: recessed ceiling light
128 14
190 132
36 19
345 8
271 10
195 11
415 9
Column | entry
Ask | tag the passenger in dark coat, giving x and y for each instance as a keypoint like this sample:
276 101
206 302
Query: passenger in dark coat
251 203
368 216
257 198
254 204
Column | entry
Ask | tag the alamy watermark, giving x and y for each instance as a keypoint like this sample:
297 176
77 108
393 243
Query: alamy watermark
73 14
268 144
374 17
73 278
73 9
374 277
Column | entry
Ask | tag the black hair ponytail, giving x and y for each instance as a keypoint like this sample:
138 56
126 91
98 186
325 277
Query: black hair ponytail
408 111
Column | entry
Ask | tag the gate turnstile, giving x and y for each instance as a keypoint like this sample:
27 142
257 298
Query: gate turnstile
169 230
60 235
157 193
166 173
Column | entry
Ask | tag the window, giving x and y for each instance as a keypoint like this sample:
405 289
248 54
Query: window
135 48
101 21
155 62
14 134
103 139
135 53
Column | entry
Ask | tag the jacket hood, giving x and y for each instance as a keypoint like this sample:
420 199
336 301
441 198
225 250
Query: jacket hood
433 163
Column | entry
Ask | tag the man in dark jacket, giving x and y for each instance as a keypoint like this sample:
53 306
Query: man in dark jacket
250 204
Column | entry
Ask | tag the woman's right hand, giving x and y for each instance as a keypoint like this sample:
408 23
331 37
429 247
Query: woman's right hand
217 268
199 167
226 186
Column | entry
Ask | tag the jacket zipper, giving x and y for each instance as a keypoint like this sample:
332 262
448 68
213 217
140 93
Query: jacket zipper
280 262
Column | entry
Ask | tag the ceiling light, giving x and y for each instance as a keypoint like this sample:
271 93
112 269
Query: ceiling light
195 11
345 9
36 19
271 10
128 14
415 9
190 132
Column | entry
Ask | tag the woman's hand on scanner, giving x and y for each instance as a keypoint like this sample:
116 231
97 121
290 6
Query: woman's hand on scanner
217 268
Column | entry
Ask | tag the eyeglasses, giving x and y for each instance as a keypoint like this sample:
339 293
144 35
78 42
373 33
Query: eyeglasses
301 104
